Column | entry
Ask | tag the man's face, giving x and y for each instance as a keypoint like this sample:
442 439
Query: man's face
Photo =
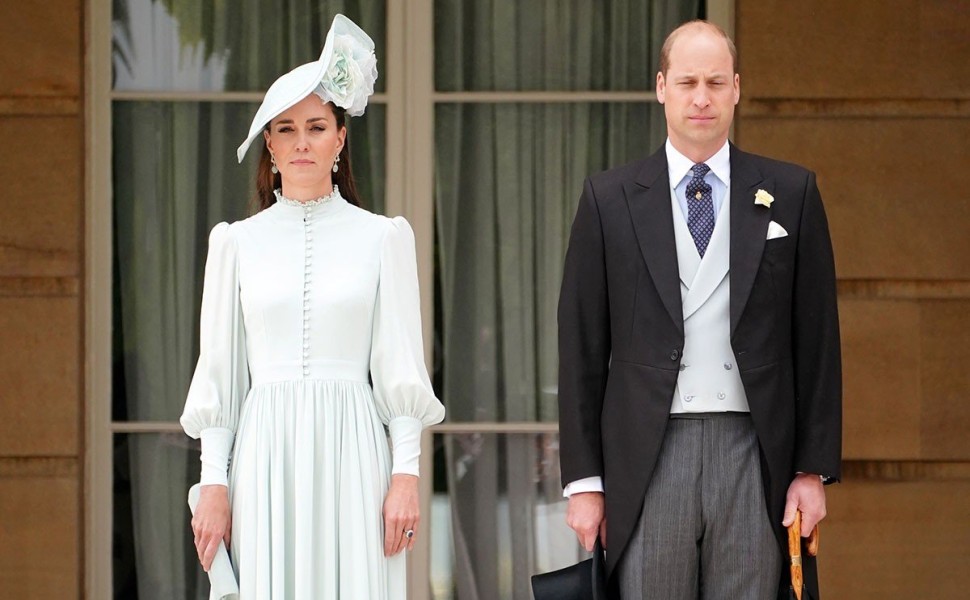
699 92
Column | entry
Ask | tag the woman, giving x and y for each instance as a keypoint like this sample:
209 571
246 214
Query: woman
303 304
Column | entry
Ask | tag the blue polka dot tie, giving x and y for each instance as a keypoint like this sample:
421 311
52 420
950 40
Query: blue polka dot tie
700 208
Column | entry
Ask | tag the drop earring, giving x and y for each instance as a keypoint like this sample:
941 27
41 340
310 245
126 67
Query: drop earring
335 161
273 168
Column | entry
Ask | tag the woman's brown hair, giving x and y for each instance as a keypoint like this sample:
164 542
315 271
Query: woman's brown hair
267 181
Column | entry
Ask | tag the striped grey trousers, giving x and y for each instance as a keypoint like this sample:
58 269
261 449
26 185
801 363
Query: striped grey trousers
704 530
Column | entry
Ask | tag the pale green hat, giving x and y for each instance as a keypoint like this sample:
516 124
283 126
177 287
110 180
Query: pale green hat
344 74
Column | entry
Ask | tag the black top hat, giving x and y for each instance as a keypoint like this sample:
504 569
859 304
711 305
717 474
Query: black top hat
583 581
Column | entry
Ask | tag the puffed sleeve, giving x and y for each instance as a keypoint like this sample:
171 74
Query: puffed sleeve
405 400
221 379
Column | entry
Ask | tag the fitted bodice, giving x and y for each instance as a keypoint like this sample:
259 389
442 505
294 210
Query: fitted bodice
308 278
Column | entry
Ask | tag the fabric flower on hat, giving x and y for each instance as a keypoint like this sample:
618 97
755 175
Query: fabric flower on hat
349 79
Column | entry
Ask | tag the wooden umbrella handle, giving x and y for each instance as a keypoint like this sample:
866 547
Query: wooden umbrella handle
795 553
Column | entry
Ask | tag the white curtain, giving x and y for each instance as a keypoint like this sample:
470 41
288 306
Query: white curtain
508 178
174 177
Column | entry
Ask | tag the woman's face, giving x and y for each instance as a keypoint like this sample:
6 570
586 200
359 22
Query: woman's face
305 141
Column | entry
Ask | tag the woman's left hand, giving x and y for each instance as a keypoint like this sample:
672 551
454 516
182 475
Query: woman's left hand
401 514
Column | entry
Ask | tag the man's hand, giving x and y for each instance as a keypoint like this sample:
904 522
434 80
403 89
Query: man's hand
807 494
586 516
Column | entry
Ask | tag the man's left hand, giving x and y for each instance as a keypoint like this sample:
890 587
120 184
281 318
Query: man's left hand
807 494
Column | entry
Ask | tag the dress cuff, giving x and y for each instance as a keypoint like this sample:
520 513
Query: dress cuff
216 446
587 484
406 444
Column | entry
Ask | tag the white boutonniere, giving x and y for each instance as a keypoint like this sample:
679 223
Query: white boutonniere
763 198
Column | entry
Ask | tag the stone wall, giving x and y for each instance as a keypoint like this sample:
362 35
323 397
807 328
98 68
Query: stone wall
41 361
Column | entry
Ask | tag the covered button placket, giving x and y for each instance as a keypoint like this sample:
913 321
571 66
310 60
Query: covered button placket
311 209
307 283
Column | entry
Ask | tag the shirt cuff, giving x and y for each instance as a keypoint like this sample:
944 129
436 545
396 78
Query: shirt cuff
405 444
587 484
823 478
216 447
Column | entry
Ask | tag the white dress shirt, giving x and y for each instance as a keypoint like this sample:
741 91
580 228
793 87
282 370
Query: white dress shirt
719 177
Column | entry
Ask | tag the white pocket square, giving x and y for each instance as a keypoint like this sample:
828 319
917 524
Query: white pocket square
775 231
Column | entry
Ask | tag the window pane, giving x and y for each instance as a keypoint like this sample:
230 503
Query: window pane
506 45
174 177
208 45
497 515
153 556
508 179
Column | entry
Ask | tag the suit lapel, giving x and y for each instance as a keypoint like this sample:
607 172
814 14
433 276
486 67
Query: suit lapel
648 199
749 229
714 266
688 260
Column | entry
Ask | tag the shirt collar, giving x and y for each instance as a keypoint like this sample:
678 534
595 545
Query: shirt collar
679 166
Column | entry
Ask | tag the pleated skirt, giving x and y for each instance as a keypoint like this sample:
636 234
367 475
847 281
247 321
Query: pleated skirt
309 472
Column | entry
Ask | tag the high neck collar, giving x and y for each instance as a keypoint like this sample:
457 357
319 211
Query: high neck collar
335 194
323 205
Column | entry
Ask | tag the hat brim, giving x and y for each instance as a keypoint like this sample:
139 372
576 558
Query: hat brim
299 83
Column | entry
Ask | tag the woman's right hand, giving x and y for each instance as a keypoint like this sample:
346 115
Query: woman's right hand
211 523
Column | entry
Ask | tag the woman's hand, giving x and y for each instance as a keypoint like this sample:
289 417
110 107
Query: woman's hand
211 523
401 514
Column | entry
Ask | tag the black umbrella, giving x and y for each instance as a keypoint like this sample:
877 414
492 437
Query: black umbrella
583 581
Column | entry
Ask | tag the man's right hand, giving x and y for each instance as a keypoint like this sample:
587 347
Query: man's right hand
586 516
212 523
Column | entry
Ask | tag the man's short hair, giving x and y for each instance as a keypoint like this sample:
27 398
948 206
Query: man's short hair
696 23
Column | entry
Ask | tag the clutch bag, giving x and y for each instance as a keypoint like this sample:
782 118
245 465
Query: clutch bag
221 577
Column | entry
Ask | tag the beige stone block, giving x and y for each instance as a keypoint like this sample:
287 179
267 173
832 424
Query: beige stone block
945 379
41 46
944 47
895 540
859 49
893 189
881 378
40 216
39 376
39 526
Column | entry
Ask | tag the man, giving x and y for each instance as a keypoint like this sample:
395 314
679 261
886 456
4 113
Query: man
700 369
